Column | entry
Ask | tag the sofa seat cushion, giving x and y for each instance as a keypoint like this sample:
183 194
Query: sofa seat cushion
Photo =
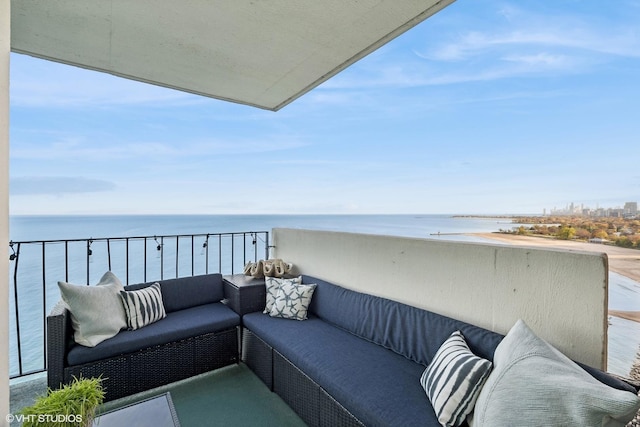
178 325
378 386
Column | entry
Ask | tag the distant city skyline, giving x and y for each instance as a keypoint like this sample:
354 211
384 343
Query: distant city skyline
488 107
628 210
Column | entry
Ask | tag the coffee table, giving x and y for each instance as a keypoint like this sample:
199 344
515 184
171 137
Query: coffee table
156 411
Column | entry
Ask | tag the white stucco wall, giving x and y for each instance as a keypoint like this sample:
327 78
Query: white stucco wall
561 295
5 43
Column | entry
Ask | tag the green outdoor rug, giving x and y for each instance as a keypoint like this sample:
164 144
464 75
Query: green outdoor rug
230 396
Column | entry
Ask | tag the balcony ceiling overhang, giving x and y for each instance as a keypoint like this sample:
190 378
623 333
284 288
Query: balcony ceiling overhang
255 52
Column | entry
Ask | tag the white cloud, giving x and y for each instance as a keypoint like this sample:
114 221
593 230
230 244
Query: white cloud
80 149
621 42
521 43
543 59
545 26
57 185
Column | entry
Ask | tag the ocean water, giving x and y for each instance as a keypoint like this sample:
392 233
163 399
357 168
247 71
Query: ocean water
624 336
71 227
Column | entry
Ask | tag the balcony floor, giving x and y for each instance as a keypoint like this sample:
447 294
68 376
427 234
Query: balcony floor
228 396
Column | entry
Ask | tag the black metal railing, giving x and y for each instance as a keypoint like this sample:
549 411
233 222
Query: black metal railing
37 266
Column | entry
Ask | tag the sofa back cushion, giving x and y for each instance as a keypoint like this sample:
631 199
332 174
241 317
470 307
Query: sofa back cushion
185 292
412 332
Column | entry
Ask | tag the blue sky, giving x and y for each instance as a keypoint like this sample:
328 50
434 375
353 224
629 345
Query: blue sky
487 107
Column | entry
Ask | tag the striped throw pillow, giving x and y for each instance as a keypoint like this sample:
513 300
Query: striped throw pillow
453 380
143 306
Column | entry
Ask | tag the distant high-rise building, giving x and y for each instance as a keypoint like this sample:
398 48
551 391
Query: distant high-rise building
631 209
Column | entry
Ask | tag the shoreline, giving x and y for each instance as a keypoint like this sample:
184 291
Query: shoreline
628 315
623 261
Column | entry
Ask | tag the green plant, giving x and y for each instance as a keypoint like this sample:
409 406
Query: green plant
73 405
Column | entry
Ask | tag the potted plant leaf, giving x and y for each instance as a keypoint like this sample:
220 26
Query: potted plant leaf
73 405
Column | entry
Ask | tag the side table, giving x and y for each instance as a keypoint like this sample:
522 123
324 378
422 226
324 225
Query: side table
244 294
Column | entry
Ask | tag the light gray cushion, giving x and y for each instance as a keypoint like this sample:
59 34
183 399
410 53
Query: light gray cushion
96 311
453 380
292 301
143 306
533 384
272 285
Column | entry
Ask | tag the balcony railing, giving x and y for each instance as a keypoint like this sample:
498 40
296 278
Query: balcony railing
37 266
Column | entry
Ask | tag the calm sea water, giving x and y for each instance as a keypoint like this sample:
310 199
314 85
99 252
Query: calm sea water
71 227
624 336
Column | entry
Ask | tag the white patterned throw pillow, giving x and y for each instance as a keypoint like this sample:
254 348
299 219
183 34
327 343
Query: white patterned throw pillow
292 301
272 285
143 306
453 380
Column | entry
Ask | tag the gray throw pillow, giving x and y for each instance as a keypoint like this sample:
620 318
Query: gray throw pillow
96 311
533 384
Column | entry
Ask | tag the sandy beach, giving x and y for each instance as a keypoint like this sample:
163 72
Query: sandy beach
629 315
623 261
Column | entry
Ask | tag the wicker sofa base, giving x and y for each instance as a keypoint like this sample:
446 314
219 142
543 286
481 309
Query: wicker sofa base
159 365
310 401
258 356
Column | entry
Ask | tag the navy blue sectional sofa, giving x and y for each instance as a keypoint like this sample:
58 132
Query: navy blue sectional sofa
357 359
199 334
